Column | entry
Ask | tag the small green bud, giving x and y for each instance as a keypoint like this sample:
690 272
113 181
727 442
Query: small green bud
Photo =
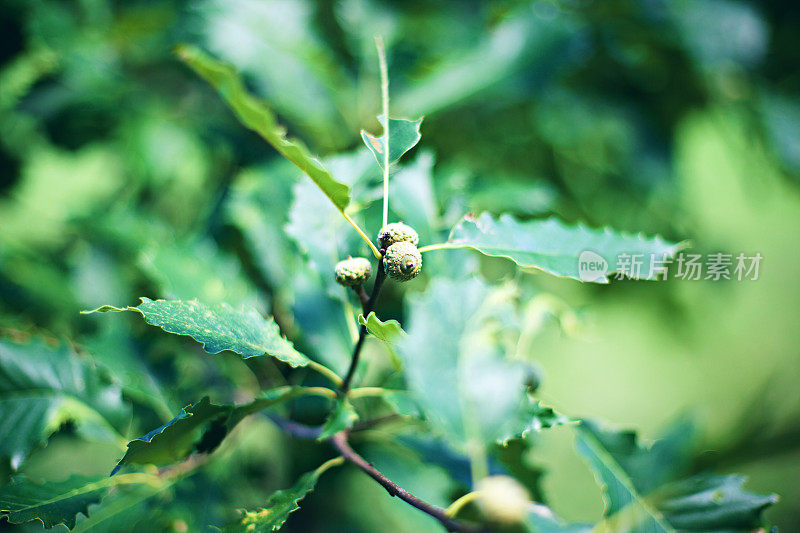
353 271
503 499
397 232
402 261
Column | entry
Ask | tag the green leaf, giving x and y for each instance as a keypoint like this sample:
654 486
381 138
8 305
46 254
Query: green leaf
59 502
218 327
403 136
253 114
556 248
55 502
454 365
176 439
41 387
280 504
200 427
388 331
512 455
127 507
532 417
641 495
319 232
271 397
196 269
712 503
400 401
542 520
413 197
342 417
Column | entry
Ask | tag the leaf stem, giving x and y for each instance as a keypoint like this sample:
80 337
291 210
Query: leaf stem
380 277
319 391
366 392
385 107
440 246
325 371
459 504
352 222
339 441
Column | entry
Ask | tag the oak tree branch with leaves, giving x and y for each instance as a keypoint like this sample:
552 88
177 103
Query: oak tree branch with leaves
458 378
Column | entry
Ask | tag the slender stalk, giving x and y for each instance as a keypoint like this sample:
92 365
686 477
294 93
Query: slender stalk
295 429
385 107
319 391
459 504
366 392
339 441
352 222
302 431
363 297
362 334
440 246
327 372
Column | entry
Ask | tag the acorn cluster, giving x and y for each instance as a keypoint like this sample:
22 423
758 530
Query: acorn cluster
401 261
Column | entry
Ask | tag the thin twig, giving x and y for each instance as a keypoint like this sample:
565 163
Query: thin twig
362 333
363 425
363 297
339 441
295 429
303 431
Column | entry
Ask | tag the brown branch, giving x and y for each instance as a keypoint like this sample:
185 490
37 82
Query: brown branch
303 431
362 333
363 297
295 429
339 441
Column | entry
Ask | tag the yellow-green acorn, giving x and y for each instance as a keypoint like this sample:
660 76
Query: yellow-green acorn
353 271
397 232
402 261
503 499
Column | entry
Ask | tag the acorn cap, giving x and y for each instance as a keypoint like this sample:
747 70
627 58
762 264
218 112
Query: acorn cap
402 261
353 271
397 232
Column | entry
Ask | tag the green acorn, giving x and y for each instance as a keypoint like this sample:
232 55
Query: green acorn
503 499
353 271
402 261
397 232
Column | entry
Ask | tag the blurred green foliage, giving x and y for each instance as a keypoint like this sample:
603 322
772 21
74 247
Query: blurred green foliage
123 175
